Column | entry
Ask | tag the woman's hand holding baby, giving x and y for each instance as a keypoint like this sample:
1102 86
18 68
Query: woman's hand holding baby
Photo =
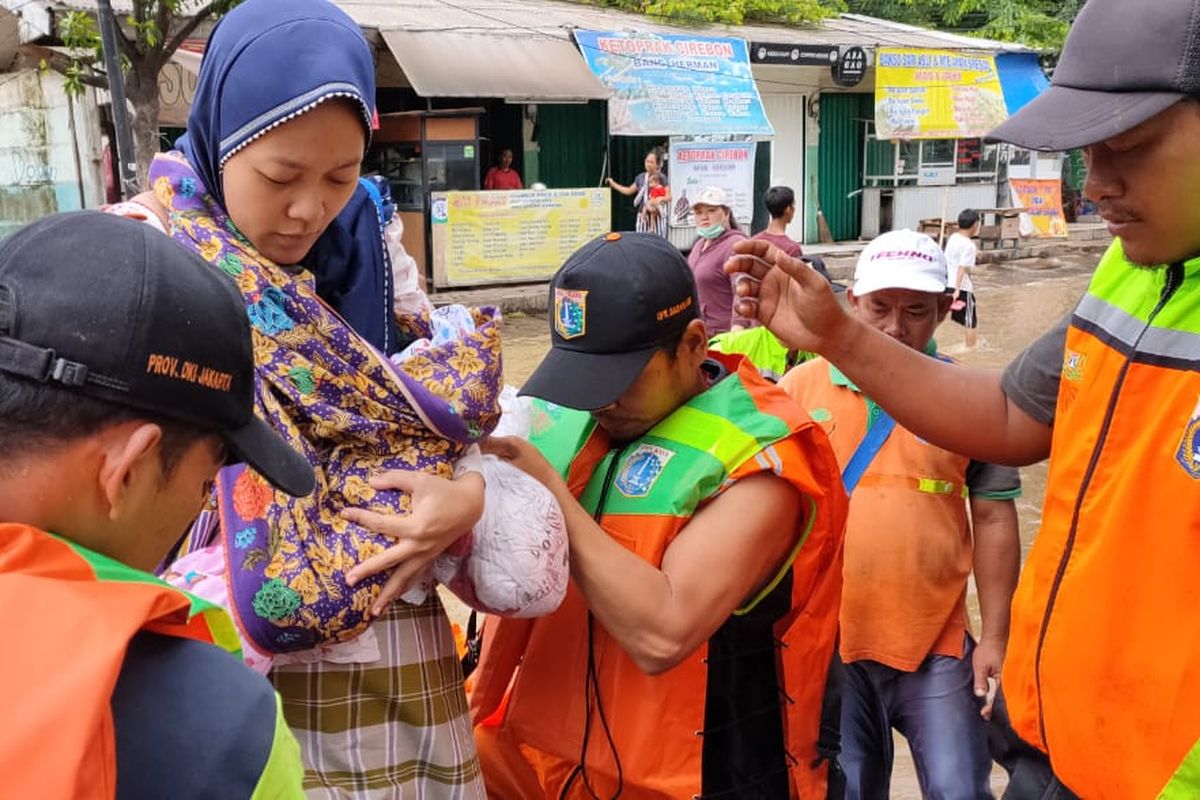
442 511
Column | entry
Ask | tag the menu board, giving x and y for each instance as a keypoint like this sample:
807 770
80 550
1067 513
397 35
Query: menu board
510 237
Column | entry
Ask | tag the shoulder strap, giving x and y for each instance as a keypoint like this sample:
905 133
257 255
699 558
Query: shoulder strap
868 448
377 198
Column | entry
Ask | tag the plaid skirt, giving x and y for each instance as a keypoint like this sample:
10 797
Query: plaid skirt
397 728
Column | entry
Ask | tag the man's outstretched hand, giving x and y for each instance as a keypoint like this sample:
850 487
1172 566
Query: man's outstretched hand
786 295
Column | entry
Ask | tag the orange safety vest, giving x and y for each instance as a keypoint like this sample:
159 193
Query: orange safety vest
69 615
1103 666
741 426
908 538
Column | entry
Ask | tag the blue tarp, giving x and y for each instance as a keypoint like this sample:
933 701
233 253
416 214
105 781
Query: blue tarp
1021 78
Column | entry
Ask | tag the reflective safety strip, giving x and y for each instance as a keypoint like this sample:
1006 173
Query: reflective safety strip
710 434
1123 331
924 485
1185 783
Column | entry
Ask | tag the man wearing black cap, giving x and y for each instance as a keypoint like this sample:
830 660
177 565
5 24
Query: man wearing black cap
1103 666
126 381
705 518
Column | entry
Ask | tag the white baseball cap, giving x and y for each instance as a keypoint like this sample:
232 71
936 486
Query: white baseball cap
711 196
901 259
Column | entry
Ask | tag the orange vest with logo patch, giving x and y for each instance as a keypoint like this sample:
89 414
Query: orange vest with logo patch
663 733
1103 666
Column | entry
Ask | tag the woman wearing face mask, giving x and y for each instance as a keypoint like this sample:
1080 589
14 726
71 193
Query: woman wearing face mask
265 187
718 232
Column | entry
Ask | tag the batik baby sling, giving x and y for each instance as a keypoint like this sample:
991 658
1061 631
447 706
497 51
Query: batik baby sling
346 408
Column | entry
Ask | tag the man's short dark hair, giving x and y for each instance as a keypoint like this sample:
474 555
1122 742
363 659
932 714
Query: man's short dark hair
779 199
37 417
967 219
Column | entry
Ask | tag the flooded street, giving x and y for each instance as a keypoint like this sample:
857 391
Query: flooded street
1017 302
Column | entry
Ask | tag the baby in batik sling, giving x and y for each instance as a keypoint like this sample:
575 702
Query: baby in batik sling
284 575
338 400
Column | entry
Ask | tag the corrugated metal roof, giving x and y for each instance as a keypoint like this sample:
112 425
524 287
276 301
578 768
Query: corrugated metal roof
555 18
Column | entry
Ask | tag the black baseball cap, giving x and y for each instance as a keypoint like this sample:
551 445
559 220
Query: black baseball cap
614 303
1123 62
113 309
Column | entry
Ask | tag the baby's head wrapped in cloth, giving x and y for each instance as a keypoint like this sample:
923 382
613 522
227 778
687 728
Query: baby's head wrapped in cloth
322 384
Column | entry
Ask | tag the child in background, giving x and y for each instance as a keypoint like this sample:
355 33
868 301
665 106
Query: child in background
960 260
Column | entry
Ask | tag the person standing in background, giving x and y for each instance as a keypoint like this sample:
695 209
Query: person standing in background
639 190
718 231
502 177
960 260
781 205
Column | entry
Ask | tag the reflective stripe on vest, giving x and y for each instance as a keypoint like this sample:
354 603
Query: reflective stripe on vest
726 433
1103 666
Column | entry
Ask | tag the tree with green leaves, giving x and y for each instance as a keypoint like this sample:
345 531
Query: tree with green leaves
1041 24
729 12
146 40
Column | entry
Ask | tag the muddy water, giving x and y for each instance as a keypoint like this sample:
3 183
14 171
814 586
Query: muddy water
1017 302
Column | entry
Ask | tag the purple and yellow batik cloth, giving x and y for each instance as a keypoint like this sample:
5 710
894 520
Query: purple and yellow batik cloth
349 410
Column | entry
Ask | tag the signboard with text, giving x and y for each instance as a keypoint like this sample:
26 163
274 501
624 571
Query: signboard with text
507 237
675 84
936 94
1042 200
698 165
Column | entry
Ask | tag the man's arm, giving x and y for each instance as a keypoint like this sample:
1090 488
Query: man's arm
997 565
797 304
730 549
733 547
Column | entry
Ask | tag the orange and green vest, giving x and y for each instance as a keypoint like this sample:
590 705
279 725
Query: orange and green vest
908 537
68 616
1103 666
666 730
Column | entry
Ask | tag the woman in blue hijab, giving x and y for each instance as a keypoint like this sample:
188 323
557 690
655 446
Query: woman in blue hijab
266 187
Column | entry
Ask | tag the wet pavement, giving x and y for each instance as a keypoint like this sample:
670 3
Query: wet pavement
1018 300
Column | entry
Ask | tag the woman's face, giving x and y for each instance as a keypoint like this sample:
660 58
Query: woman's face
284 189
707 216
651 164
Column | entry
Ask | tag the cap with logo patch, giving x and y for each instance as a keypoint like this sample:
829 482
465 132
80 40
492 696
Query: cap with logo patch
614 303
112 309
1123 62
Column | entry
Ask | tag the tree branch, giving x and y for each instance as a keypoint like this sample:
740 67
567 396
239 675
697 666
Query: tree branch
188 28
61 62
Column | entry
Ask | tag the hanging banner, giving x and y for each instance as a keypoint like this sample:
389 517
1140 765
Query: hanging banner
1042 200
671 84
697 165
936 94
505 237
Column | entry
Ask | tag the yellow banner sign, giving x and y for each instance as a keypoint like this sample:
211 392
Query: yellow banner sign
1042 200
507 237
936 94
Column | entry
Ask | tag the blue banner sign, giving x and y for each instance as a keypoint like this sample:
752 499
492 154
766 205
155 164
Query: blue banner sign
675 85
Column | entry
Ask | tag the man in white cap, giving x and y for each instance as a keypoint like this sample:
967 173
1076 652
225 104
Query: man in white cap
910 660
1102 675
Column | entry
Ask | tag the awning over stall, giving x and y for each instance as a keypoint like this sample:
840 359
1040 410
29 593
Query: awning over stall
516 68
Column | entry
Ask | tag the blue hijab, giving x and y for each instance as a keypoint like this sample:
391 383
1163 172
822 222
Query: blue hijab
266 62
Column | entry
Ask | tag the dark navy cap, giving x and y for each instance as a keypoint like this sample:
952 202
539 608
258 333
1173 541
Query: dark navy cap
614 303
113 309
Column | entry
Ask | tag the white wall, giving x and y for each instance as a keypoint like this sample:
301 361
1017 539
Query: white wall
50 148
911 204
787 115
